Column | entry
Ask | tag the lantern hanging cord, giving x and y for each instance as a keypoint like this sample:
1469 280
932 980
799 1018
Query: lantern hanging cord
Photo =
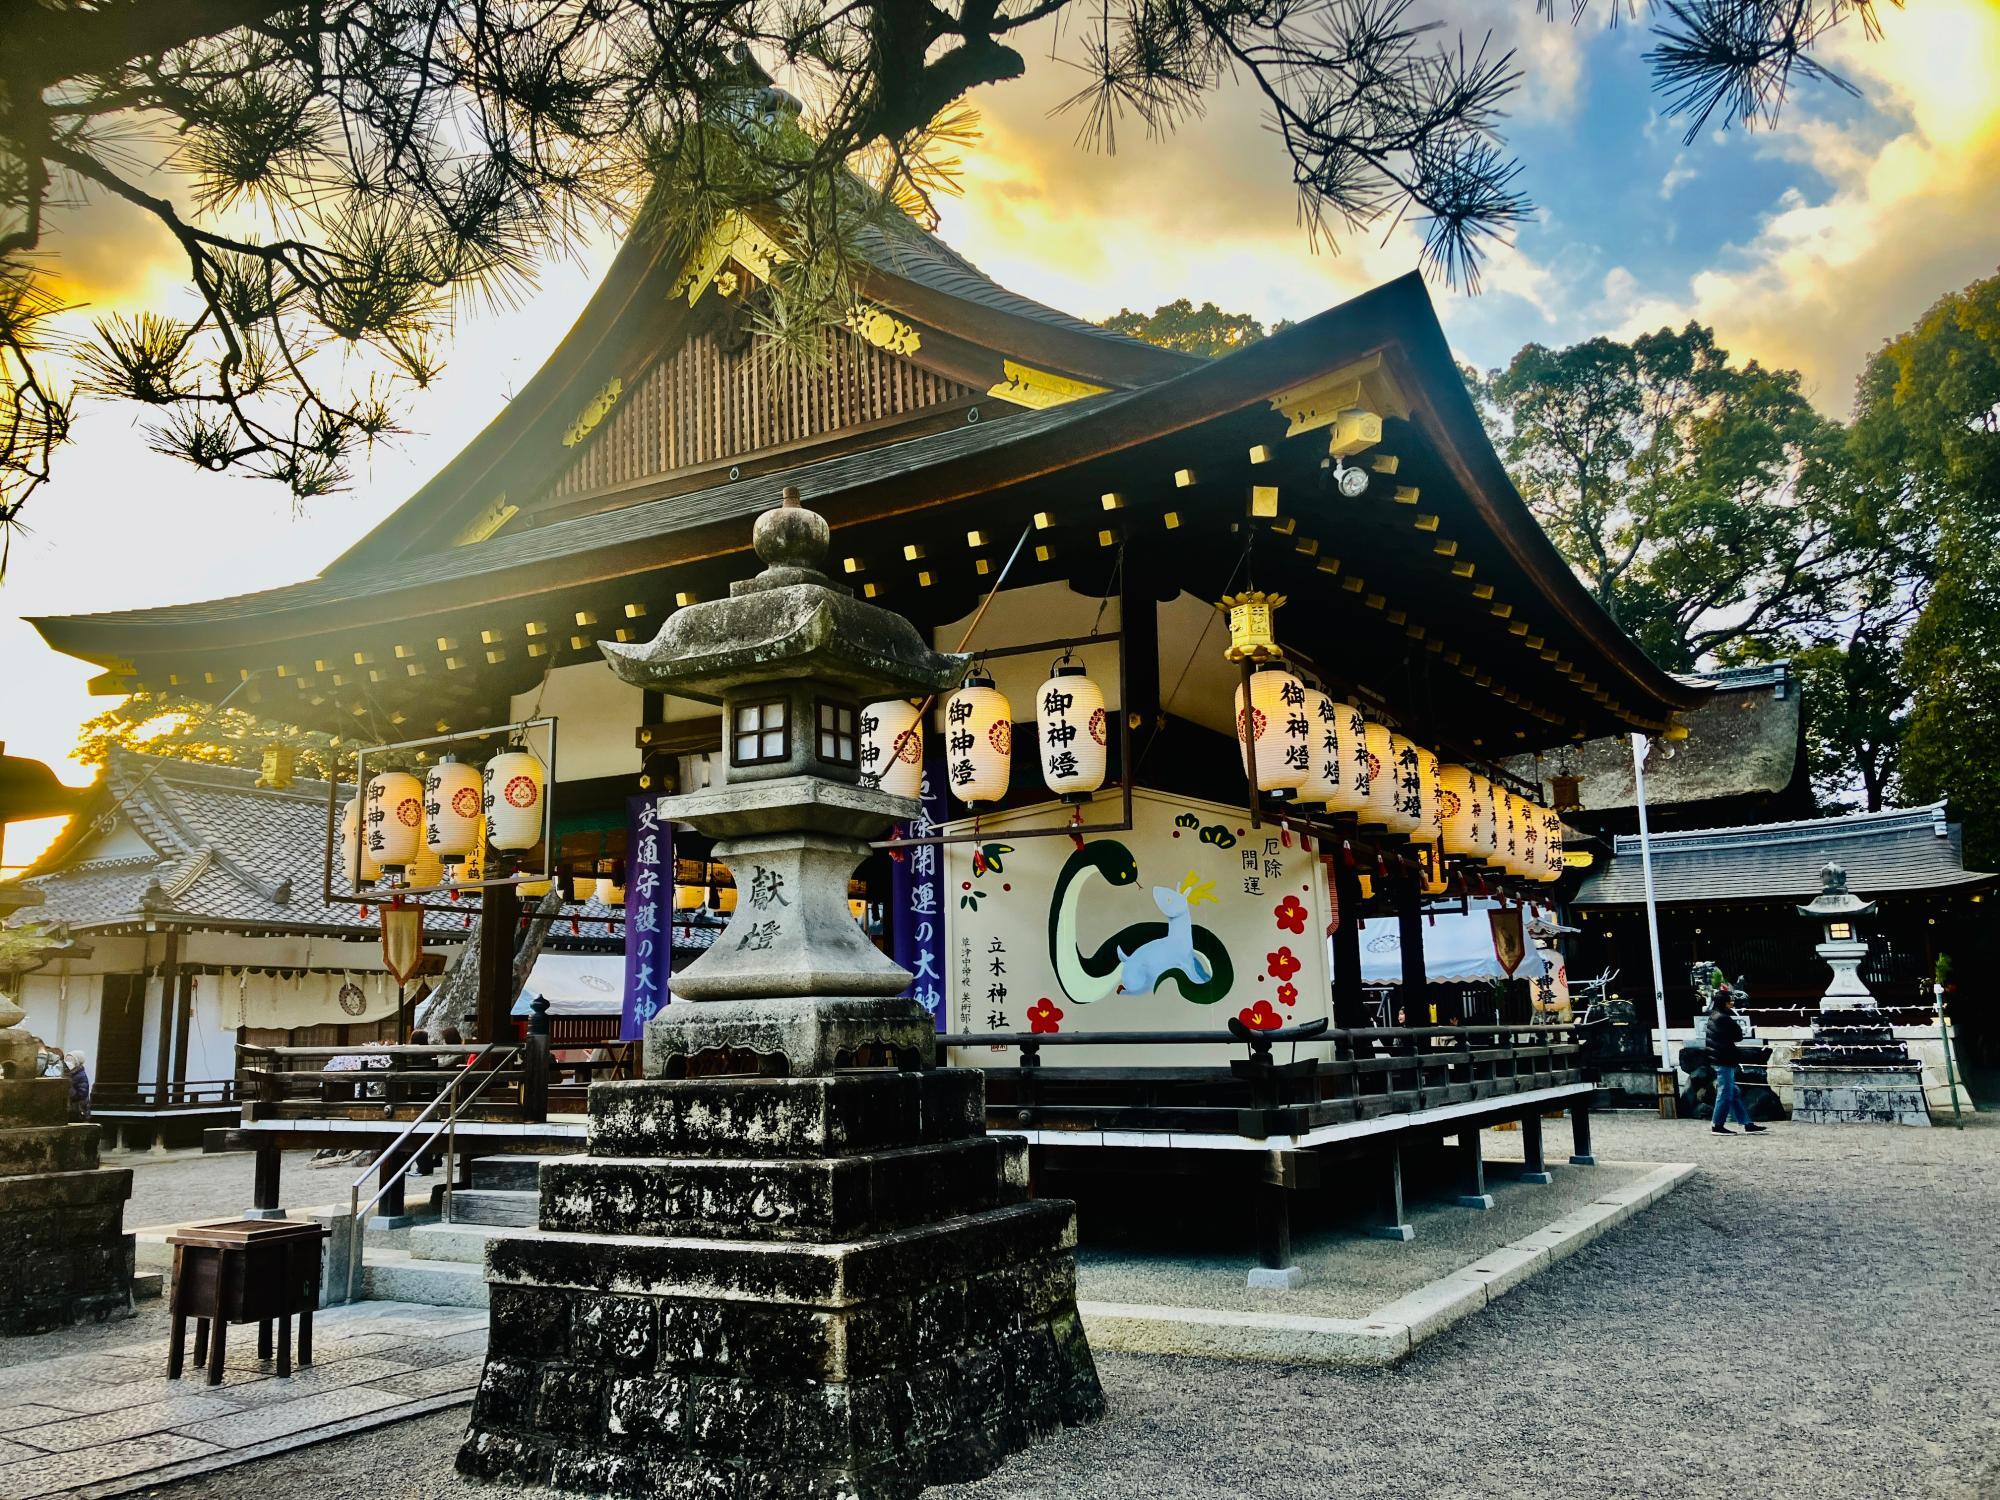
973 625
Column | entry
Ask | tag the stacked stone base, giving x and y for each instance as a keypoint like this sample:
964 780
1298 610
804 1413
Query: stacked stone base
64 1255
1849 1095
755 1288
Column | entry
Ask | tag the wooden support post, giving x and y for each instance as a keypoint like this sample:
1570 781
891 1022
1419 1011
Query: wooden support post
183 1025
1393 1225
264 1188
535 1063
1139 623
1410 935
499 924
1534 1165
1579 1125
1472 1170
170 981
1283 1172
1350 1007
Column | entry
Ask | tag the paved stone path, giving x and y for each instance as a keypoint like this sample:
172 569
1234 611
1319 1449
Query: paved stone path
106 1419
1812 1314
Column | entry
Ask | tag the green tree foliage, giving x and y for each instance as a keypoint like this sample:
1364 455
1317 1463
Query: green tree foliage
1205 330
1856 707
340 177
1707 505
1927 426
187 729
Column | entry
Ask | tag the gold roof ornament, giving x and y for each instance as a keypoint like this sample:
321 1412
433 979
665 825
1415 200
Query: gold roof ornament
1252 632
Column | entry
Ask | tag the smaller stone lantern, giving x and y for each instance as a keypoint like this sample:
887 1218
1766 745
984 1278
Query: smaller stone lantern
1854 1069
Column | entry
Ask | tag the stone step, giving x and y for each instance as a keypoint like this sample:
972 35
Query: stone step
459 1242
398 1276
495 1206
509 1172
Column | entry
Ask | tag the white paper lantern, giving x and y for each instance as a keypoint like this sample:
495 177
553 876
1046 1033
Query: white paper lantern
1378 807
1406 800
392 819
533 890
1508 855
690 897
515 783
1462 810
1431 877
1326 766
1489 823
358 867
1277 727
1552 846
1072 732
426 871
1430 806
892 747
454 810
978 742
1347 740
1531 841
611 886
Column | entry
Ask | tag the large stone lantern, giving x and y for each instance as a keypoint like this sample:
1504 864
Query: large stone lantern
1854 1069
792 1263
791 657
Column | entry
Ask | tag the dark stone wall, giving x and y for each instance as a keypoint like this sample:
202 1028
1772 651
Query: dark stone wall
64 1254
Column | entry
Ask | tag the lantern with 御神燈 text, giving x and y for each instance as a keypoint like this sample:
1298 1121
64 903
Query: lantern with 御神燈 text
454 810
1273 731
1378 805
392 819
1406 800
611 883
358 865
978 742
1071 731
1430 804
1462 810
892 747
1326 767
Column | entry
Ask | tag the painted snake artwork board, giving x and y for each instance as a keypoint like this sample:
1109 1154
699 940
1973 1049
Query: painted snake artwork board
1187 920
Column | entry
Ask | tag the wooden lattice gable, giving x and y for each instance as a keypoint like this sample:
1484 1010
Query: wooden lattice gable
661 387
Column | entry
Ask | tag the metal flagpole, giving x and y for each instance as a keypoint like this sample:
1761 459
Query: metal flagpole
1640 747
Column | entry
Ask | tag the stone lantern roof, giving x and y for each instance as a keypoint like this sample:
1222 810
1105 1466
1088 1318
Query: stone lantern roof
1835 901
789 621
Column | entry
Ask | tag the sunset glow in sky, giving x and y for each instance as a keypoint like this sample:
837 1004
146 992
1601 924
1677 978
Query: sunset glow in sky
1806 247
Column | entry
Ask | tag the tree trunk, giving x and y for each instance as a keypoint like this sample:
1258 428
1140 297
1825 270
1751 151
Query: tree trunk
457 992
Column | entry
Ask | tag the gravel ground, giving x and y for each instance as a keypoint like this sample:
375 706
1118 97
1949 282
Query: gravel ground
1812 1313
185 1185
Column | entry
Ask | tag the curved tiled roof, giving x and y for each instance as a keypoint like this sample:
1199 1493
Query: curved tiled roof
1901 849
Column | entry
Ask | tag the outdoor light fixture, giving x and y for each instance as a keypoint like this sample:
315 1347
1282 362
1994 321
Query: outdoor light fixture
1273 729
979 741
1072 731
454 810
1352 482
1252 632
892 747
515 781
392 819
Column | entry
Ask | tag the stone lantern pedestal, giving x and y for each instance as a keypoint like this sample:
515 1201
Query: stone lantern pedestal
64 1254
1853 1070
792 1265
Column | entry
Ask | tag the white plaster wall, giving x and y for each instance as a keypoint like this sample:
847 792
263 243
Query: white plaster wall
597 715
62 1010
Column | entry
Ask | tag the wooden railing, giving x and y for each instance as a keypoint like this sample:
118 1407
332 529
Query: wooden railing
147 1098
1379 1071
390 1083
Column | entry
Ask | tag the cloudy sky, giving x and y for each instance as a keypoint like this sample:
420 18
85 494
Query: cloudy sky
1805 247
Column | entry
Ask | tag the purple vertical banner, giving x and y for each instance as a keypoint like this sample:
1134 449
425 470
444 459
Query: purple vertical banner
649 915
916 896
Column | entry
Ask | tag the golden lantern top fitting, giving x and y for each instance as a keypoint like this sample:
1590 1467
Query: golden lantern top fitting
1252 634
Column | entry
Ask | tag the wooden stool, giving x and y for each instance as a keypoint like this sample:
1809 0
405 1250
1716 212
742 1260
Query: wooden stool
244 1271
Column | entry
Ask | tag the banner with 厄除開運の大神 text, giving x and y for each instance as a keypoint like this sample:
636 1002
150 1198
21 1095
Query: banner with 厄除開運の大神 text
916 896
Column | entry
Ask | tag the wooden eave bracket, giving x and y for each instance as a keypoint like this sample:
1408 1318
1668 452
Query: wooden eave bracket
1039 389
1364 384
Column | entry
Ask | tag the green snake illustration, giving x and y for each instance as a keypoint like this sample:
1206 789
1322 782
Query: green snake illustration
1088 977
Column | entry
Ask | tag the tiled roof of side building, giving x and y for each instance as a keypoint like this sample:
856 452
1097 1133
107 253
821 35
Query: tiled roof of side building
1884 853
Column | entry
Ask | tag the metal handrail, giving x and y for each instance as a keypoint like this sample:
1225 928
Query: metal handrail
357 1210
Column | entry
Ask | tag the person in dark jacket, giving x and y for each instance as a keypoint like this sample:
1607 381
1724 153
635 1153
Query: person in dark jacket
1724 1032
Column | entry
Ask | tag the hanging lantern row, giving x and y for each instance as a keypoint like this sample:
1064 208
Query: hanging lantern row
433 833
1072 738
1304 747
